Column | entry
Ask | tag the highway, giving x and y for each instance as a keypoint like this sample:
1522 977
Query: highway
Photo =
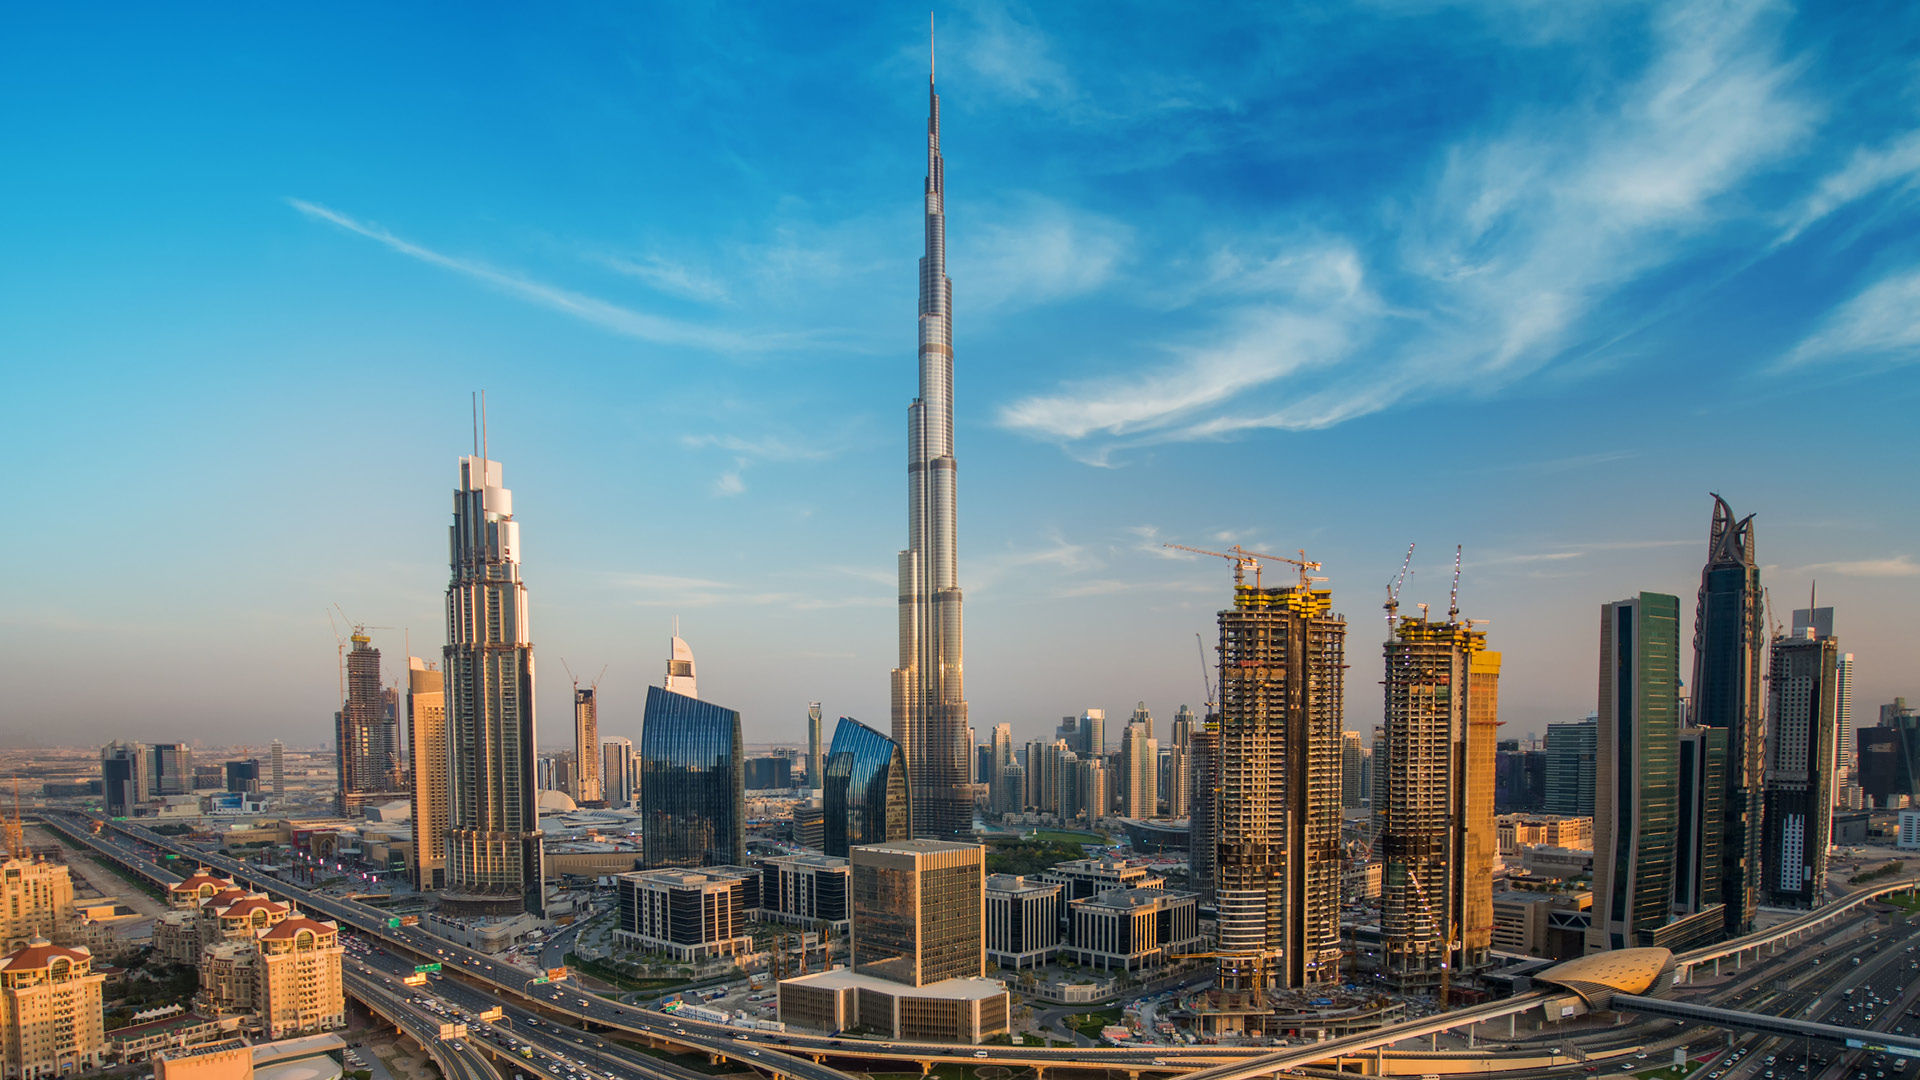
457 1059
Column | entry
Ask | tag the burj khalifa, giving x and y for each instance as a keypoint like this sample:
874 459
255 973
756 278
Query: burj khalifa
929 701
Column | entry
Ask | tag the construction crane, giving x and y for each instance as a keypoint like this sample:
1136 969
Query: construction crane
1393 590
1206 684
593 686
1453 597
1242 558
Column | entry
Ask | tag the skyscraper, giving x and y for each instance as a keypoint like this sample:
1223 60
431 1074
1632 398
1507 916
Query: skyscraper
1729 639
172 765
1570 767
586 743
1093 733
1818 622
1802 715
1203 787
918 908
279 768
1276 812
867 797
692 783
1140 766
427 731
929 699
1636 787
816 747
1143 716
1436 822
1353 758
1697 872
364 736
1000 757
493 839
680 679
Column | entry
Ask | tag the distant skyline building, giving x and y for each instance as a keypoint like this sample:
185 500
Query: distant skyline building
868 797
494 858
1819 621
1571 747
124 777
816 747
928 691
1802 719
1140 770
692 783
1436 824
427 732
172 765
243 777
1729 643
1276 811
1093 733
279 752
586 744
617 773
1353 763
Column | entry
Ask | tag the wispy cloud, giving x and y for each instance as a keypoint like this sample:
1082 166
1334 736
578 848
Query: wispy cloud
1880 323
690 593
658 329
1898 566
1013 57
1037 253
1057 555
1513 243
1867 171
667 276
749 452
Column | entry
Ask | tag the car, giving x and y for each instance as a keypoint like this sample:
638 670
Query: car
756 1053
979 1053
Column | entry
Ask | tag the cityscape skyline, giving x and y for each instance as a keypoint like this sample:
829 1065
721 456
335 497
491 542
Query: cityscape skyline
1075 602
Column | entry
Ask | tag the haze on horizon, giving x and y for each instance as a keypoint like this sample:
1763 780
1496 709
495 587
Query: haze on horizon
1532 279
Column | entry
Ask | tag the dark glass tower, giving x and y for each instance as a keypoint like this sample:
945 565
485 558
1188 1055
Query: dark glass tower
692 783
867 797
1729 660
929 701
1636 787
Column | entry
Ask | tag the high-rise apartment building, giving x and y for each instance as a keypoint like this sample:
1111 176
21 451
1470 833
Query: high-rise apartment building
586 744
1092 792
1140 768
279 768
1001 798
52 1017
1353 763
1093 733
1276 812
427 731
1570 767
124 776
1637 787
680 672
297 980
617 774
1817 622
1203 793
1144 717
1436 824
692 783
929 697
918 907
1802 719
36 899
493 838
867 798
1729 642
816 747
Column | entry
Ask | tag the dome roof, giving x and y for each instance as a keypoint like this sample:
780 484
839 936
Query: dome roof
1597 977
556 802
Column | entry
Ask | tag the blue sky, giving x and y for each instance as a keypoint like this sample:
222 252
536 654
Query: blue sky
1528 277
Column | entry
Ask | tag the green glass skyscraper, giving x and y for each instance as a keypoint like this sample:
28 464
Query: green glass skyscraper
1636 784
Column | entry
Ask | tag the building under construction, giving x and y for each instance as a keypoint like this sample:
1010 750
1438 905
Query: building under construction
1276 811
367 734
1435 823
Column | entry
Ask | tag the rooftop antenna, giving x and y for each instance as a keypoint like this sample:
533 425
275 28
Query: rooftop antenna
474 400
484 451
930 51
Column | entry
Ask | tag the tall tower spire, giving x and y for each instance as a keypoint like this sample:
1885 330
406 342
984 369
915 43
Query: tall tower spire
929 703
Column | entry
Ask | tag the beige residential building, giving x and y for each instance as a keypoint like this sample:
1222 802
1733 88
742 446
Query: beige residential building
36 897
51 1021
427 728
196 888
297 985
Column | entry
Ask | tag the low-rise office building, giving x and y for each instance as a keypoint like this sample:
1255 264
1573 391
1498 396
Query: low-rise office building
1022 921
951 1010
688 914
806 890
1083 878
1133 930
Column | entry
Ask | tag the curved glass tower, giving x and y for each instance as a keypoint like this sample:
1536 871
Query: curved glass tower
929 703
867 796
692 783
1729 664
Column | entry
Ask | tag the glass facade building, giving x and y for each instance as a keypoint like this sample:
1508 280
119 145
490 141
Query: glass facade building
866 796
1729 642
1636 790
692 791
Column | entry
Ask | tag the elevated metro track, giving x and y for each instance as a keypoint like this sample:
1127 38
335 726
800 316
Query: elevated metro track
1762 1024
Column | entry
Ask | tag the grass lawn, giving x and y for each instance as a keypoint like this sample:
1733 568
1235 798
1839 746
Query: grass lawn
1906 900
1066 836
1090 1023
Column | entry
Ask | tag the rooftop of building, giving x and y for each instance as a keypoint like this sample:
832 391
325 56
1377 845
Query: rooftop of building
156 1027
920 847
817 862
181 1053
1015 883
40 953
945 989
292 926
1133 898
692 878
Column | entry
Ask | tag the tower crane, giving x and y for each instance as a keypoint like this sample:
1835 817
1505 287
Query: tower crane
1242 558
1393 589
1453 597
1206 684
